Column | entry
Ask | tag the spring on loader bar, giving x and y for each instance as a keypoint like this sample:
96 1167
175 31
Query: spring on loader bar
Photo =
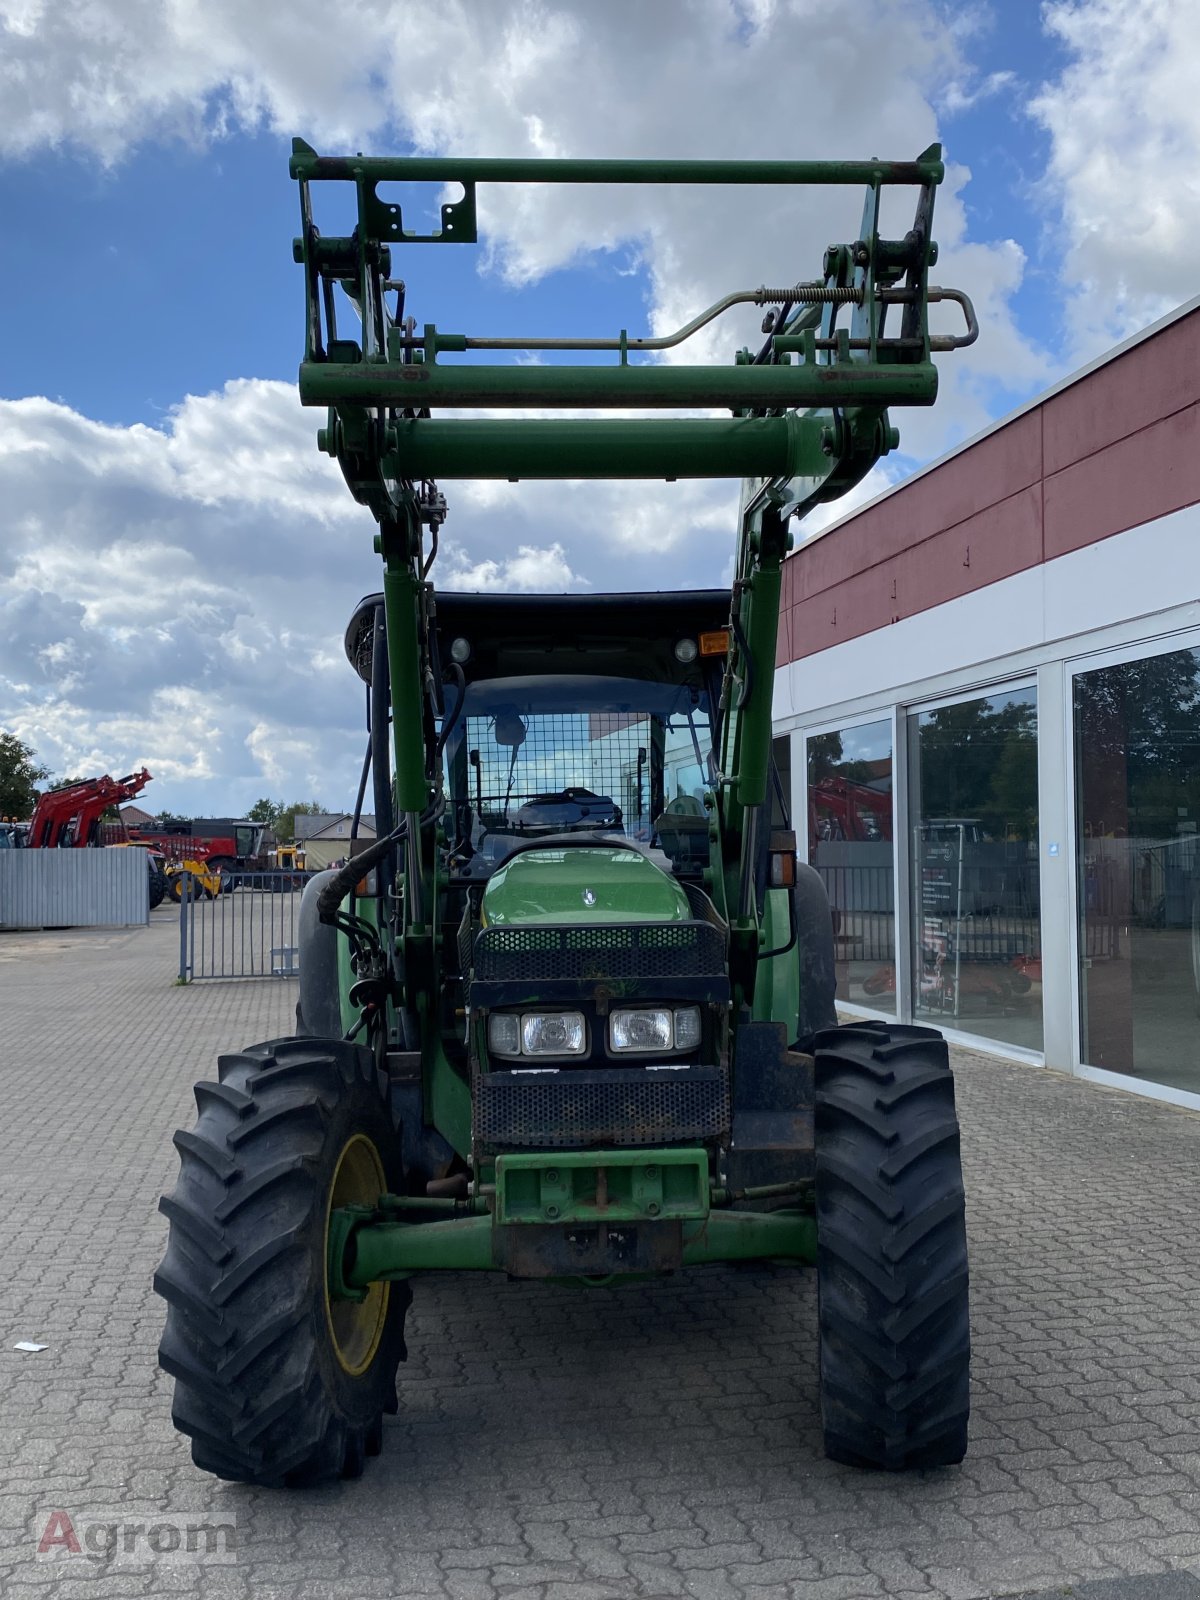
809 294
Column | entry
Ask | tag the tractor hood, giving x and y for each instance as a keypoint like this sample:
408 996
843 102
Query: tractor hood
581 884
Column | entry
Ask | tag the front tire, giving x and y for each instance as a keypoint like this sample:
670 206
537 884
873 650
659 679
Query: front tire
891 1250
275 1383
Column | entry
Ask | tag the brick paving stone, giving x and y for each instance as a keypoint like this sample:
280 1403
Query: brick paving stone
654 1440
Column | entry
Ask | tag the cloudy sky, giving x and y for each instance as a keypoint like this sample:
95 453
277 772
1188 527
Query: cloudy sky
177 562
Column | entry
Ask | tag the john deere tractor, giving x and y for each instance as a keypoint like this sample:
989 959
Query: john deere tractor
572 1015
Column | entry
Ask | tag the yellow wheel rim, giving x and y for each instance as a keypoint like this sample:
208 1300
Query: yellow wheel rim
356 1326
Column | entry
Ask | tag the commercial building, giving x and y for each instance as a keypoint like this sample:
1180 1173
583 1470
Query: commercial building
326 837
990 680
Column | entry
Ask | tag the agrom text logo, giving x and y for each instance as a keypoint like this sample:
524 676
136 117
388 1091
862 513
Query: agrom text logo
116 1539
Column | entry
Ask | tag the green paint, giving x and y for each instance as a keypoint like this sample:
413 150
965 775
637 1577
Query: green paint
308 165
750 1236
447 1099
396 1249
400 585
602 1186
600 447
553 886
777 987
370 383
465 1244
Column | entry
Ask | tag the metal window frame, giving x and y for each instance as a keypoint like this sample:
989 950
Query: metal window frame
905 935
1072 667
1052 664
800 736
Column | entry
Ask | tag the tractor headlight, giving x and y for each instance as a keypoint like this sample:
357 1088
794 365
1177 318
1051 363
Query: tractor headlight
559 1033
537 1033
654 1028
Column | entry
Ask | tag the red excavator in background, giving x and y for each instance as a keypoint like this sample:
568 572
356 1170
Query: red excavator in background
70 817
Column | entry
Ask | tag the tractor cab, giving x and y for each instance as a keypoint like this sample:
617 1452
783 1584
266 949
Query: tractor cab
574 720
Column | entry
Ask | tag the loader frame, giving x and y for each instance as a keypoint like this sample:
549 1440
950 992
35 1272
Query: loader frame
807 419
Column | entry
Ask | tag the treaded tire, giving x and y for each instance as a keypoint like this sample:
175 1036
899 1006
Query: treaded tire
891 1250
158 889
259 1387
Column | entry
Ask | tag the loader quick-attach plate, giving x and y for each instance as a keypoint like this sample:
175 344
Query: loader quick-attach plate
601 1186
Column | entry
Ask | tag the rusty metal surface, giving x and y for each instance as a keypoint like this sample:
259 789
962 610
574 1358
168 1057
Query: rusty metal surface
533 1250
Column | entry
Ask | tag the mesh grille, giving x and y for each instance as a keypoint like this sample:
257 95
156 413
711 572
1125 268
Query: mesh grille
618 1108
648 950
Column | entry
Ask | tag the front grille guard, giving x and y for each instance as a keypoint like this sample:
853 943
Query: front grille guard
600 952
611 1108
619 1107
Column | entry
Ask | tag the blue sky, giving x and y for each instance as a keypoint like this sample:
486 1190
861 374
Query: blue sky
170 271
178 563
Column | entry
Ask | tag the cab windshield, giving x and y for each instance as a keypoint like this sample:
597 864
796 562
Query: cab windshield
543 755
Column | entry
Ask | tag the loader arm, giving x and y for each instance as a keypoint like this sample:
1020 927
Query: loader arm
805 418
82 803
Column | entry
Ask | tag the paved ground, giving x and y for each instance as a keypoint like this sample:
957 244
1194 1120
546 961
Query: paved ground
553 1445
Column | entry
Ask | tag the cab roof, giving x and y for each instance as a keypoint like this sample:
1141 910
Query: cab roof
519 635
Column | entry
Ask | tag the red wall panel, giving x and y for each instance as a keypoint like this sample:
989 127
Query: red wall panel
1132 481
1119 447
995 543
1129 393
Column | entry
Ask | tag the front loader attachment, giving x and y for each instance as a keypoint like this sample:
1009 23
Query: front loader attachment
571 1014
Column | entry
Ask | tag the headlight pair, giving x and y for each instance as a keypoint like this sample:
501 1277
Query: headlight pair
631 1031
537 1033
654 1028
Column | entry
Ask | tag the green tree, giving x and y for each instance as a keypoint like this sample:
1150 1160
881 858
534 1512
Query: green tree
20 775
266 811
824 756
284 826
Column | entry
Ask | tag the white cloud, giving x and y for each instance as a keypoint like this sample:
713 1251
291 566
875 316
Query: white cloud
168 598
1124 125
220 554
959 95
530 571
700 77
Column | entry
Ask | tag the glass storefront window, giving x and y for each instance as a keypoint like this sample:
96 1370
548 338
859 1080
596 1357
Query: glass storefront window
1137 802
976 911
850 845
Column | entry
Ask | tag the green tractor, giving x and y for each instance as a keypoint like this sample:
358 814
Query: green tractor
571 1016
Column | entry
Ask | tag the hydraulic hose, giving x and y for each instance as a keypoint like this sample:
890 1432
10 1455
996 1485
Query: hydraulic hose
338 887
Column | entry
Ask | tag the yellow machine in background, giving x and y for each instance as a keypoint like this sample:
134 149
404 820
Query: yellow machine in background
205 881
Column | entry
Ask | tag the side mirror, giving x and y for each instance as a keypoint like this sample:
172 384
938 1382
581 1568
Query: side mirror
509 728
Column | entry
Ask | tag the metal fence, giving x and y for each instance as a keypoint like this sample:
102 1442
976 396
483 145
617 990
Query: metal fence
74 888
247 931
